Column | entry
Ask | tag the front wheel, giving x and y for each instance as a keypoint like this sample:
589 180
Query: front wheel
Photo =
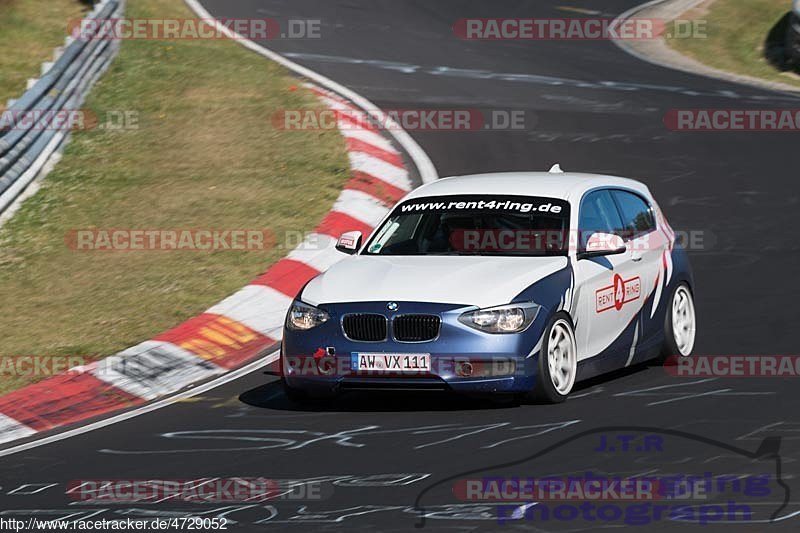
558 361
680 323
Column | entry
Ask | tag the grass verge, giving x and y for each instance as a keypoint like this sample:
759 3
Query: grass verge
204 155
29 31
736 31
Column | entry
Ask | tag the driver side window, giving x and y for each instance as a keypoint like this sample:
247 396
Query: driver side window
598 214
636 213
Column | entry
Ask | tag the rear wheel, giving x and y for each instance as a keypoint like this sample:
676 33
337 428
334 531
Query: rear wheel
558 361
680 323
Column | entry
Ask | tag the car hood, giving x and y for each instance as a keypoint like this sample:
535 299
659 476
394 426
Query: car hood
468 280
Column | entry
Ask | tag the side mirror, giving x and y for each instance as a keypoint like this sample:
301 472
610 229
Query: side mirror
600 244
350 242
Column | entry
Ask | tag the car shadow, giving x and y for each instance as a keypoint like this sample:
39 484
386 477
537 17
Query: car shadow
271 396
588 384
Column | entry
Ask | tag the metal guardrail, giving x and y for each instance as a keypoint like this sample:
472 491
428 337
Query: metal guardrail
27 145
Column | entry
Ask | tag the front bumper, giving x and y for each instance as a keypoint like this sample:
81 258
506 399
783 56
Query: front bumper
320 359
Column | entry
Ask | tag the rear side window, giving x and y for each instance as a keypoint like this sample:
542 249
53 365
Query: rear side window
598 215
637 216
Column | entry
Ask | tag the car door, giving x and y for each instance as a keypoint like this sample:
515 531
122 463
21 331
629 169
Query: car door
648 249
610 287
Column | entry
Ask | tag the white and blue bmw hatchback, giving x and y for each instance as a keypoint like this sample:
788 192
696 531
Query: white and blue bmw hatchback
519 283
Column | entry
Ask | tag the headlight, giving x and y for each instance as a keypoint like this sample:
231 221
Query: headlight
303 316
511 318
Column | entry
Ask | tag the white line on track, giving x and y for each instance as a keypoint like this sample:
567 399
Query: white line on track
661 387
689 396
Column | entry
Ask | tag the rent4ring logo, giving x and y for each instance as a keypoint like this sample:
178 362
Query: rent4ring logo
619 293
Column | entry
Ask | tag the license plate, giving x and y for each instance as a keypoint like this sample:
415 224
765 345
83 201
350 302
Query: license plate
391 362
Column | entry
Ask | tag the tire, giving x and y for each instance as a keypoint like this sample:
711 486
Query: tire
680 323
557 362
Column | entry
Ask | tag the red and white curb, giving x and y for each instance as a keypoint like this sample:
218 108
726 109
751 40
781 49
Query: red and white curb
237 329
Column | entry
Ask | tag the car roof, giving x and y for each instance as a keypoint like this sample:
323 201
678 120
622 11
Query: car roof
566 185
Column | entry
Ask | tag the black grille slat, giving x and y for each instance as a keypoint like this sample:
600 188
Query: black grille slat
416 328
365 327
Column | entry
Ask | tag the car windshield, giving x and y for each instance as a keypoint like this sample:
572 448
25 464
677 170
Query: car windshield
474 225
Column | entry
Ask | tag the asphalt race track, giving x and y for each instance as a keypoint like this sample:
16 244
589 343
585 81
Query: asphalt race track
386 461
